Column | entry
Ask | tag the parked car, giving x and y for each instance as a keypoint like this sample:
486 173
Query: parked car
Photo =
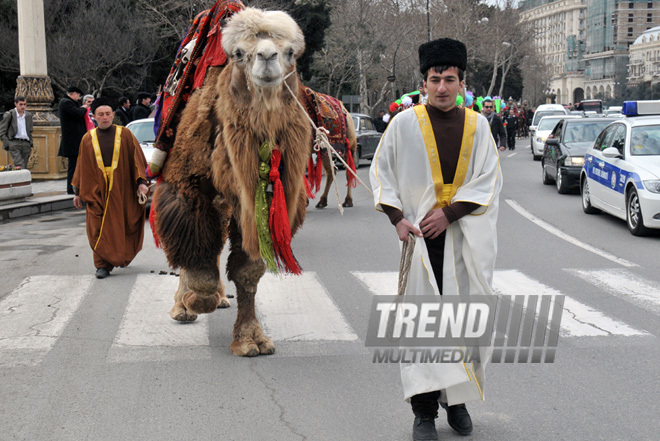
543 129
621 172
143 129
367 136
545 110
563 153
614 110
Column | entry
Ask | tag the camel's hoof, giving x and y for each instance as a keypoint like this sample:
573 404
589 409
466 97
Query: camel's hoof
179 313
322 203
199 304
266 348
244 348
347 203
224 303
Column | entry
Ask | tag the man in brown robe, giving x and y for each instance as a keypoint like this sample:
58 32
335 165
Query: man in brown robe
110 178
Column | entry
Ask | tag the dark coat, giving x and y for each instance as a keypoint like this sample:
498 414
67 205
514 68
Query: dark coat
9 126
511 123
497 129
72 121
140 112
379 124
123 115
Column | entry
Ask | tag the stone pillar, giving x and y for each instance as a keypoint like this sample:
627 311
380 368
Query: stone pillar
35 85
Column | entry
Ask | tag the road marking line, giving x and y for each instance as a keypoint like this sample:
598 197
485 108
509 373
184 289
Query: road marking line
512 155
570 239
617 282
298 308
35 314
578 320
147 322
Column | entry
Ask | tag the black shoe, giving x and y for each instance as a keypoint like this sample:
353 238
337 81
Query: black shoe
102 273
424 428
459 418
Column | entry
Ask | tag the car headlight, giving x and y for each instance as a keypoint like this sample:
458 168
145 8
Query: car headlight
652 186
573 160
540 140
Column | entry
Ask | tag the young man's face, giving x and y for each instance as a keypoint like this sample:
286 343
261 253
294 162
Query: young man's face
126 104
20 106
146 102
443 88
104 116
488 108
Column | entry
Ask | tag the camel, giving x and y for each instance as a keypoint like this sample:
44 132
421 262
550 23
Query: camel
231 135
330 113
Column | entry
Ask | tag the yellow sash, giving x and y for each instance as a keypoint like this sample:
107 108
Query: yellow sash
108 172
445 193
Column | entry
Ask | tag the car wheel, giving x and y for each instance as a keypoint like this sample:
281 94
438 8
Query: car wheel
634 217
559 181
586 199
544 175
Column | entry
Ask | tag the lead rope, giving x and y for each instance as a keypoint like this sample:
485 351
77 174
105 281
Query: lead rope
321 142
404 269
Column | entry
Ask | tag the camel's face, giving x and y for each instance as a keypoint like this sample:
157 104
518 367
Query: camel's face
264 45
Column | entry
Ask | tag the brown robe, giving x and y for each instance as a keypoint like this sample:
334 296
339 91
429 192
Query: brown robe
115 218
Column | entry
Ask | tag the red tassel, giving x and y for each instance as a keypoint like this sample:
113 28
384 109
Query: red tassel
351 163
308 189
152 217
319 170
280 230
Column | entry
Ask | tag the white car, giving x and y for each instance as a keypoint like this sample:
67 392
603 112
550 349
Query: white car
545 110
545 127
621 173
143 129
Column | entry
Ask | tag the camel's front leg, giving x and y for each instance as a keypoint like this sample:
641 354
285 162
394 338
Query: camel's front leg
179 311
348 202
249 338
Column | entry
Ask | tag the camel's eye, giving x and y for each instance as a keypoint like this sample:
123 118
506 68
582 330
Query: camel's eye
238 55
290 53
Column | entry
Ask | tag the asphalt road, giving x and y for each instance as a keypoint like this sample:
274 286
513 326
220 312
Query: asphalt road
87 359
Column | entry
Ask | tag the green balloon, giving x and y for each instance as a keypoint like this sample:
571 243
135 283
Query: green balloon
459 100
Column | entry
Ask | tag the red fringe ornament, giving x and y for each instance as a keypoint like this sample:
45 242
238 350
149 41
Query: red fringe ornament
280 230
319 170
308 189
351 163
152 216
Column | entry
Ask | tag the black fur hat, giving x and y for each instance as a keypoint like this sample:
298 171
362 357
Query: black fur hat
442 52
101 101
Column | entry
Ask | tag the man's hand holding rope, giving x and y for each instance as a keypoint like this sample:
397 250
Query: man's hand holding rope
404 227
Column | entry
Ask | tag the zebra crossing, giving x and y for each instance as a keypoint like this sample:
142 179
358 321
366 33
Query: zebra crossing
300 314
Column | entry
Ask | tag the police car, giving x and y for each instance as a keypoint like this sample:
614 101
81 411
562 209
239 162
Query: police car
621 172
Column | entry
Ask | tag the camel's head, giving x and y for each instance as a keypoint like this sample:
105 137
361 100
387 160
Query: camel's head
264 44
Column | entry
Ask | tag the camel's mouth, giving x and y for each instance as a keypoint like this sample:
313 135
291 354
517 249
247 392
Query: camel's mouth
267 81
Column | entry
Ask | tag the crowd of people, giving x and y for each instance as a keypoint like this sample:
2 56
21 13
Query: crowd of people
510 123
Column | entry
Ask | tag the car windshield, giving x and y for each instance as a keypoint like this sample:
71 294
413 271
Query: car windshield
583 131
356 122
548 123
144 131
542 113
645 141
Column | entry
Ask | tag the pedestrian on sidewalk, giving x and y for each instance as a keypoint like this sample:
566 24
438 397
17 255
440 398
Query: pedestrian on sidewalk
115 216
16 132
495 122
436 175
73 125
142 109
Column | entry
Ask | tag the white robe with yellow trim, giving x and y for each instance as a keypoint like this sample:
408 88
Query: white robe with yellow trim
401 176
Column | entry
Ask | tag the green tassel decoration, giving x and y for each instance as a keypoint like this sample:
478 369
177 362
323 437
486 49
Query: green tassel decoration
262 208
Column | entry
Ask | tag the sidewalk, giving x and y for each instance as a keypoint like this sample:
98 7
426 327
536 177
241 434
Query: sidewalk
46 196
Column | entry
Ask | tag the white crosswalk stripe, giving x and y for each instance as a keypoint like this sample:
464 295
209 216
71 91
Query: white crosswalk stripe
578 320
621 283
35 314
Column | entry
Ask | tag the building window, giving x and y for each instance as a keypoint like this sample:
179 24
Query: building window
630 32
630 18
631 5
649 18
650 5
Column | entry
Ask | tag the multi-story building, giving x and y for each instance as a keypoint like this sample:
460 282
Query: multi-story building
644 55
595 44
559 36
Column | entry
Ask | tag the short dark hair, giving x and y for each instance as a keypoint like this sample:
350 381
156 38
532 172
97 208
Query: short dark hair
74 89
19 98
441 69
122 100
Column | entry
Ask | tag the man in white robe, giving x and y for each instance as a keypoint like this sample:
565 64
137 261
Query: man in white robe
436 174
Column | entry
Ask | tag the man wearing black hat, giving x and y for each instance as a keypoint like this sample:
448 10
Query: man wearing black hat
72 122
142 109
110 179
436 175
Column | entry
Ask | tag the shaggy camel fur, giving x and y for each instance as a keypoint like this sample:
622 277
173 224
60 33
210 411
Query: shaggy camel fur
202 202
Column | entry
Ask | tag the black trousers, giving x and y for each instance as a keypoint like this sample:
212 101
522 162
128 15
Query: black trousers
426 404
511 139
69 173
